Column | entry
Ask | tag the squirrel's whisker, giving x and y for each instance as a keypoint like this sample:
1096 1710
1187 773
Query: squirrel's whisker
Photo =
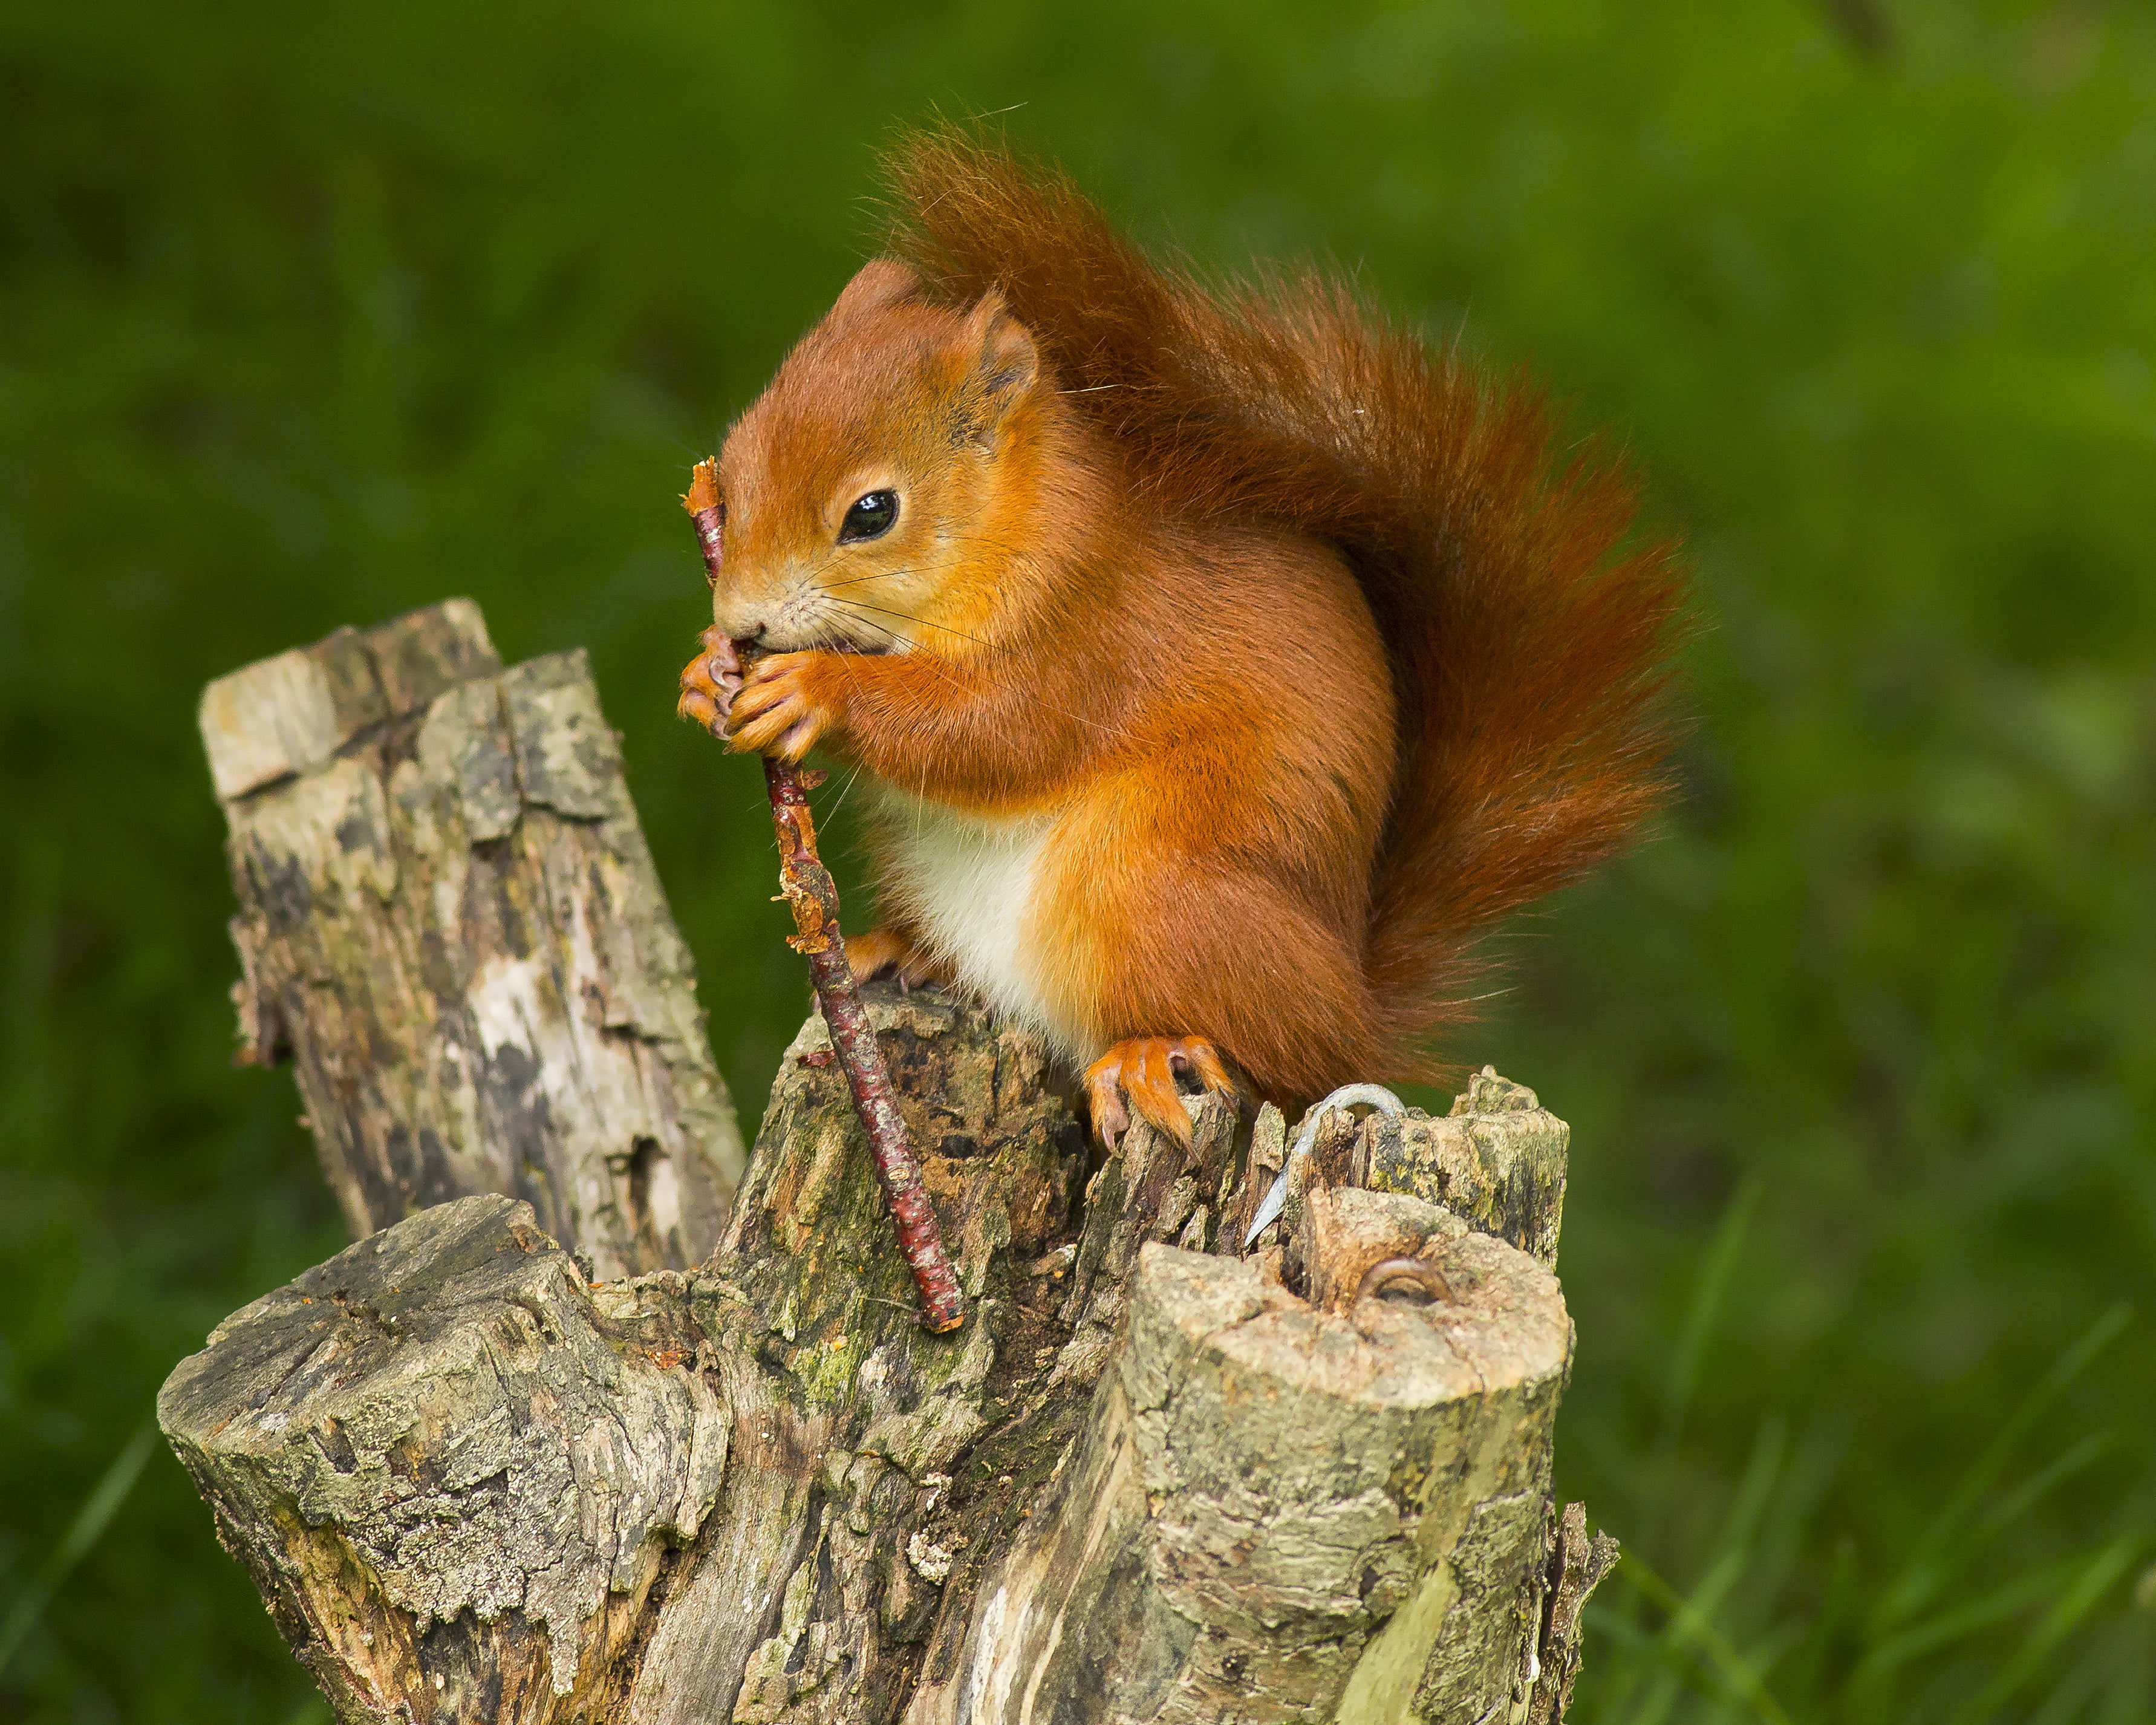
932 657
918 622
856 580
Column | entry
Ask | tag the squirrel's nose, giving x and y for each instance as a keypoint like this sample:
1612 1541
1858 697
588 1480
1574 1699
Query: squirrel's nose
737 620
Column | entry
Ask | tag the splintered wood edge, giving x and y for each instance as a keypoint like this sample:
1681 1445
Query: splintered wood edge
291 712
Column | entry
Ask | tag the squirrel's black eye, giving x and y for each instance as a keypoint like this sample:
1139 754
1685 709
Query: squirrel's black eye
869 518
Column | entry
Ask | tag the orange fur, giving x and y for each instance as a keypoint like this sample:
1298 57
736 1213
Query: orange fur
890 950
1143 1072
1232 664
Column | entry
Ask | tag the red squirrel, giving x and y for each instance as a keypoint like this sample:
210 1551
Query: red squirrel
1220 666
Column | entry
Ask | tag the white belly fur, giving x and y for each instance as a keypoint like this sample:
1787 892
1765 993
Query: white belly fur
966 883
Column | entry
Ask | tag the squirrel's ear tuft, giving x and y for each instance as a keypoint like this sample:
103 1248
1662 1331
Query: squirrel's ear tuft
878 283
1005 364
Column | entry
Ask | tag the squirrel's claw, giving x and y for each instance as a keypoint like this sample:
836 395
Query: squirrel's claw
1142 1071
776 712
709 682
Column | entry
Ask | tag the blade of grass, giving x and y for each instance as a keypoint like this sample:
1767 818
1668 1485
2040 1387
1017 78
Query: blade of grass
1691 1626
1927 1568
1709 1293
1948 1626
2075 1696
2040 1485
1733 1546
1619 1674
1831 1625
1726 1563
1965 1620
90 1524
2095 1580
1710 1290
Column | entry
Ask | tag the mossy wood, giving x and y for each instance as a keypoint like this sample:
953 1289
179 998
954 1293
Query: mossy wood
1151 1479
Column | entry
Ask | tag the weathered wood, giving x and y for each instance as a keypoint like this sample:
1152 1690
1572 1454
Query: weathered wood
1151 1478
452 1483
929 1449
1145 1481
1576 1567
1496 1159
1277 1512
450 919
846 1421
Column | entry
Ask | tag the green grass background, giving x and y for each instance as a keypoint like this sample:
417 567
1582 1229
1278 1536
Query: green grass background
311 314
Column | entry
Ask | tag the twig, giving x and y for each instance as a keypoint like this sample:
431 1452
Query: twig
813 898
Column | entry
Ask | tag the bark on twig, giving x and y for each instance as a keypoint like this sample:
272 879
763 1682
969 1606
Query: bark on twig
815 898
449 921
812 896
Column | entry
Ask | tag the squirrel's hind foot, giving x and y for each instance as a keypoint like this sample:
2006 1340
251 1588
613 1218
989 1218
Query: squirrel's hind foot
885 950
1142 1072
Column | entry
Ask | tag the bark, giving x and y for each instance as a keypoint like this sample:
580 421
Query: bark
1498 1159
1150 1478
449 921
1146 1481
1576 1566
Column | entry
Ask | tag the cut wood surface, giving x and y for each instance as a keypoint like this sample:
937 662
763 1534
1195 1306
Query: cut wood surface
1497 1159
1146 1482
1152 1478
448 920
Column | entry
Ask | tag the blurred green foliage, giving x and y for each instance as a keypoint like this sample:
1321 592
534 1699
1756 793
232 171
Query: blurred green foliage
309 315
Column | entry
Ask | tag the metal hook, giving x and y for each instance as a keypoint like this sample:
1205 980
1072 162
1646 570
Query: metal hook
1423 1274
1349 1096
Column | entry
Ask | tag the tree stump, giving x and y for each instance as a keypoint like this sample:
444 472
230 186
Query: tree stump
1152 1478
449 921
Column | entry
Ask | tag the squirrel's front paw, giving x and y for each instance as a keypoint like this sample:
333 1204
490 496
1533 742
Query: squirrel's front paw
709 682
787 703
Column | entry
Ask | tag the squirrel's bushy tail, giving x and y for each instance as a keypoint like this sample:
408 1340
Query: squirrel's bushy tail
1530 643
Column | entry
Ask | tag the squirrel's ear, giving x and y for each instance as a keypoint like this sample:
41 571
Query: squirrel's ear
878 283
1005 363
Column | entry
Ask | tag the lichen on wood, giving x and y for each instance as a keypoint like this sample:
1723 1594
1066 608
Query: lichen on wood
449 921
1497 1158
452 1481
1146 1481
1151 1479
